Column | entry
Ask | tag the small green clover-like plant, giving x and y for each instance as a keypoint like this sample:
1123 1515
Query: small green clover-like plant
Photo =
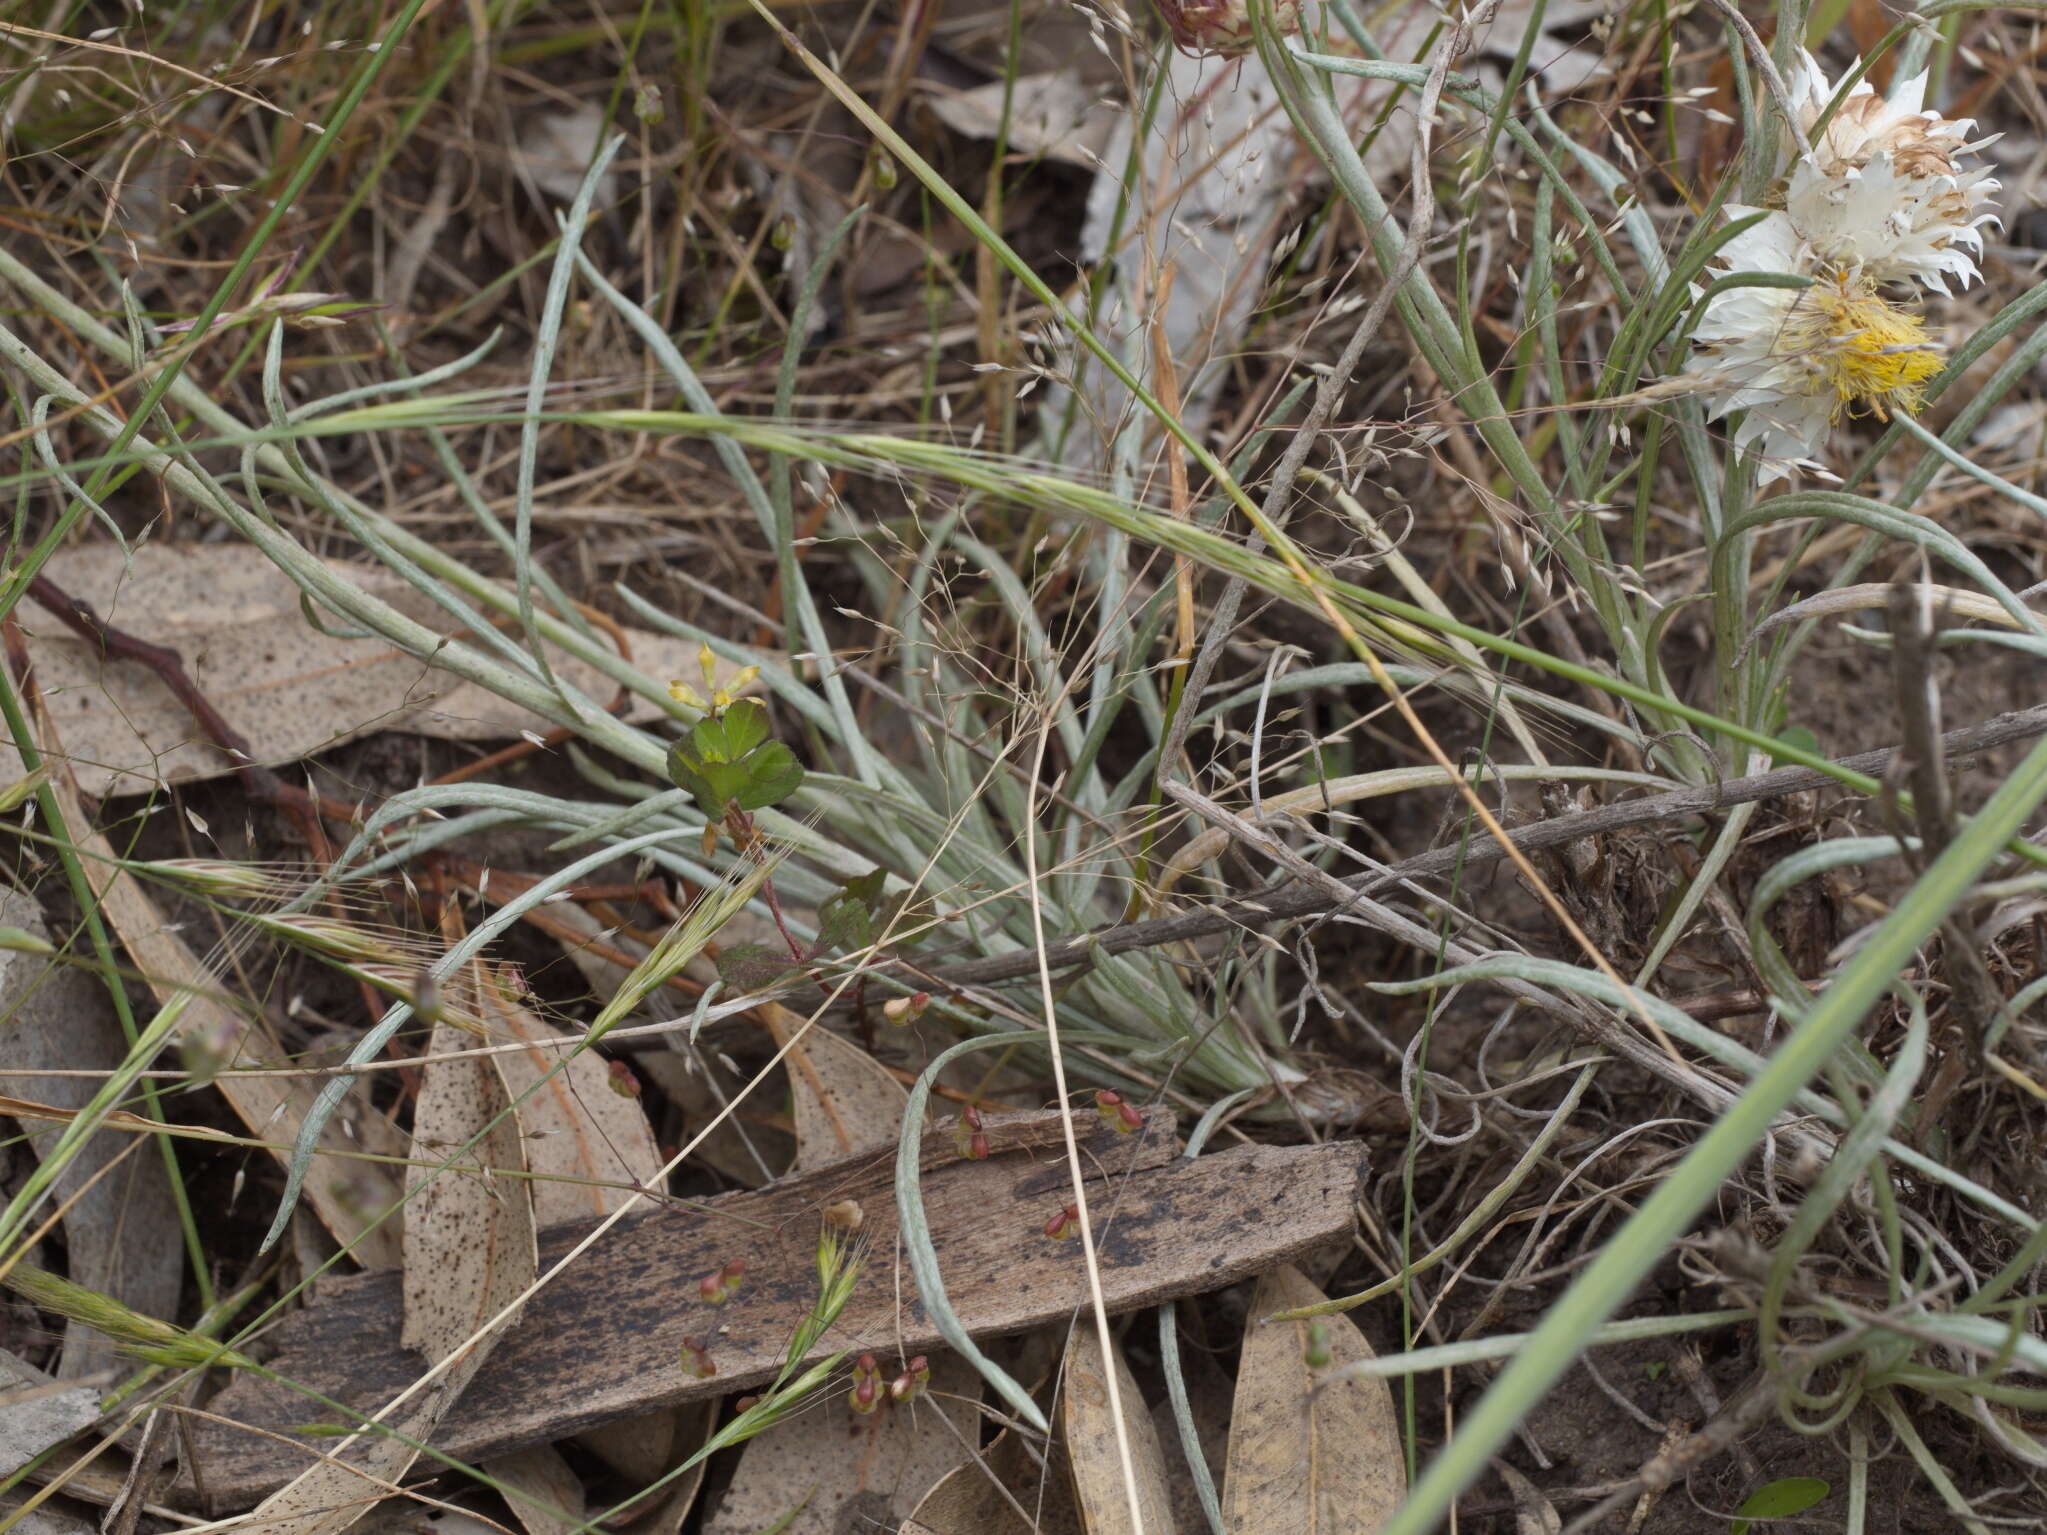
729 763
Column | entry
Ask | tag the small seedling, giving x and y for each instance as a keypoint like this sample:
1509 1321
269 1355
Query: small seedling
1065 1224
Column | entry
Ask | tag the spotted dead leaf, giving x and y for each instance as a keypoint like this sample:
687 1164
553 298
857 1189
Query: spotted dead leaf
1100 1490
236 621
470 1252
470 1247
830 1469
1312 1452
584 1146
583 1141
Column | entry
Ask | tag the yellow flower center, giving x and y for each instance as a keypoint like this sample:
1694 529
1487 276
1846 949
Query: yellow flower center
1870 354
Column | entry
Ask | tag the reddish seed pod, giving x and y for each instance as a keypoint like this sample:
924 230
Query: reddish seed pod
913 1382
867 1394
1065 1224
968 1136
696 1359
716 1289
906 1010
1118 1115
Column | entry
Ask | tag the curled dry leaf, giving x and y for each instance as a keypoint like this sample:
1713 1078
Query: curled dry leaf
1534 1514
236 622
583 1141
584 1144
1311 1452
1006 1491
660 1440
352 1197
543 1490
470 1252
120 1229
827 1469
1100 1491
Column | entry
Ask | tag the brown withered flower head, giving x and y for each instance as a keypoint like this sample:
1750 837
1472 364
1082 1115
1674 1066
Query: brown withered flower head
1221 26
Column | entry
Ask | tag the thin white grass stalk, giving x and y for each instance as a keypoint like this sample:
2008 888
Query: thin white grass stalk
1929 1466
1661 1219
546 336
1970 467
1092 1259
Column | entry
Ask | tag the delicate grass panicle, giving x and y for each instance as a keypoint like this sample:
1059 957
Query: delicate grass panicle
1594 377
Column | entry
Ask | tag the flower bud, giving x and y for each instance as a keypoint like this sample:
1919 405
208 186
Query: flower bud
906 1010
969 1135
867 1395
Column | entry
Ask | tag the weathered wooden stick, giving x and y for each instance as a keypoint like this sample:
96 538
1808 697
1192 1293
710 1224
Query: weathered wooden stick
604 1340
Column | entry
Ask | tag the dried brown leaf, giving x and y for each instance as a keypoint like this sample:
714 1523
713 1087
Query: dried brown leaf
1099 1489
546 1494
353 1198
682 1432
849 1472
1007 1491
236 621
120 1227
845 1101
471 1245
470 1252
1311 1452
574 1125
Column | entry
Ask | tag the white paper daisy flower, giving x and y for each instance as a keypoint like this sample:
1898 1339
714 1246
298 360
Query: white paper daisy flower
1889 227
1887 190
1793 360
